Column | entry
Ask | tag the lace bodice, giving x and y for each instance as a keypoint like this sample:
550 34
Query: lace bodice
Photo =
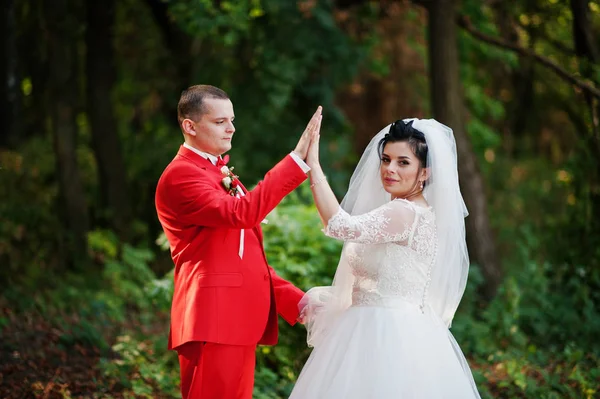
390 251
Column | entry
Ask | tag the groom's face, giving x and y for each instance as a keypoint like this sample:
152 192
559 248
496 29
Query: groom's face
214 130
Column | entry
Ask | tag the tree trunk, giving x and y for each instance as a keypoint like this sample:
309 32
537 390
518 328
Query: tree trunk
518 117
373 101
31 61
585 48
62 100
7 70
176 41
582 31
179 45
100 66
448 108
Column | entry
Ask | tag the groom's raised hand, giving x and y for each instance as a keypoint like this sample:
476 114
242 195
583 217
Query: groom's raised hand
311 131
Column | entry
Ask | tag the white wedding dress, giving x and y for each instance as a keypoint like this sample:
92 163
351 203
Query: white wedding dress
387 343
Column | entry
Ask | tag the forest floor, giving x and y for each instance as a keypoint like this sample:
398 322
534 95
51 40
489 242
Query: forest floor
37 361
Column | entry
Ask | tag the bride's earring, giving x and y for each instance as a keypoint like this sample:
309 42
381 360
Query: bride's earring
421 185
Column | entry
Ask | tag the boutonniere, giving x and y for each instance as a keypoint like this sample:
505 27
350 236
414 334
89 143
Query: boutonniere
230 181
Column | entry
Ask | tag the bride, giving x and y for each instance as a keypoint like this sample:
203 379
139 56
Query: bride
381 330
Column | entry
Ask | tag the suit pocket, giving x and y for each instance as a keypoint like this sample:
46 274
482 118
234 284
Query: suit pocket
220 280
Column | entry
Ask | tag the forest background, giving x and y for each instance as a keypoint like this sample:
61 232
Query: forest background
88 103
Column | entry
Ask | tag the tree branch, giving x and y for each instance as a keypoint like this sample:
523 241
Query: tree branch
464 23
545 35
557 43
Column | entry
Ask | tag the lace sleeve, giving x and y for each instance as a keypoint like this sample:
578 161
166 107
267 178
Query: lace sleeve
392 222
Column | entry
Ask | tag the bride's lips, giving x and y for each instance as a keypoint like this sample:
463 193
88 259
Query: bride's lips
389 181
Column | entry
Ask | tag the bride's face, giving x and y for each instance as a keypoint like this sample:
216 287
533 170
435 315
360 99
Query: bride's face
400 170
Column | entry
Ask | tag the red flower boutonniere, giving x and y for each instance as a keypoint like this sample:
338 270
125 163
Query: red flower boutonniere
230 181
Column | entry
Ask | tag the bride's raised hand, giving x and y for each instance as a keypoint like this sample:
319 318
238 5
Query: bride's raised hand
312 158
302 148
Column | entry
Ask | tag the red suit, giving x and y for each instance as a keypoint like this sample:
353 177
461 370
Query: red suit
223 306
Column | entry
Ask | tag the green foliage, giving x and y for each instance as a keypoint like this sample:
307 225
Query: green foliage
516 345
301 253
30 232
513 350
295 247
143 367
530 130
538 334
275 83
132 296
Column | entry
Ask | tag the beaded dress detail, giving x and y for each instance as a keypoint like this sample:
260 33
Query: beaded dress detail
390 255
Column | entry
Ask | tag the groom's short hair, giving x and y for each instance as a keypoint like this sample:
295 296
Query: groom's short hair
191 103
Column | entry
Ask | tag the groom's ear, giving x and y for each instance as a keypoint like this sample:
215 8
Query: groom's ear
189 127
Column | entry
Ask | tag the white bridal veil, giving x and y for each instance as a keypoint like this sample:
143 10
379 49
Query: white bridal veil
442 192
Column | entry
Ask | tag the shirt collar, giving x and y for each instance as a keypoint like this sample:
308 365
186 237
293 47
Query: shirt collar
213 159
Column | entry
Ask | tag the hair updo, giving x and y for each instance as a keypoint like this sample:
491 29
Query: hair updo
401 131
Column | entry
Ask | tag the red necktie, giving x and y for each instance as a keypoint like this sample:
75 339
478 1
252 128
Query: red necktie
222 161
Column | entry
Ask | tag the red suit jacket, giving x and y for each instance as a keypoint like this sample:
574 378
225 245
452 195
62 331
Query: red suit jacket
219 297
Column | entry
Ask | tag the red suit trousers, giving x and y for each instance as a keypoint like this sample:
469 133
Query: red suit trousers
216 371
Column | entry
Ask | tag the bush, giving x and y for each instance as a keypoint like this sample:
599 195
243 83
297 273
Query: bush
536 339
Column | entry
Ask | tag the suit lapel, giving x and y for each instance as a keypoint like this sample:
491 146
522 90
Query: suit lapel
194 158
202 163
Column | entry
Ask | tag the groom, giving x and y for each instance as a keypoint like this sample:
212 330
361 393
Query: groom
226 296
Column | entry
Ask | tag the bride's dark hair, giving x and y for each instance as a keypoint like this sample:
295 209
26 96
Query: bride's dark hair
403 131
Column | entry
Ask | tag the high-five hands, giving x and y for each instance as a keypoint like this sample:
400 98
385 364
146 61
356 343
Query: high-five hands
312 158
310 133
